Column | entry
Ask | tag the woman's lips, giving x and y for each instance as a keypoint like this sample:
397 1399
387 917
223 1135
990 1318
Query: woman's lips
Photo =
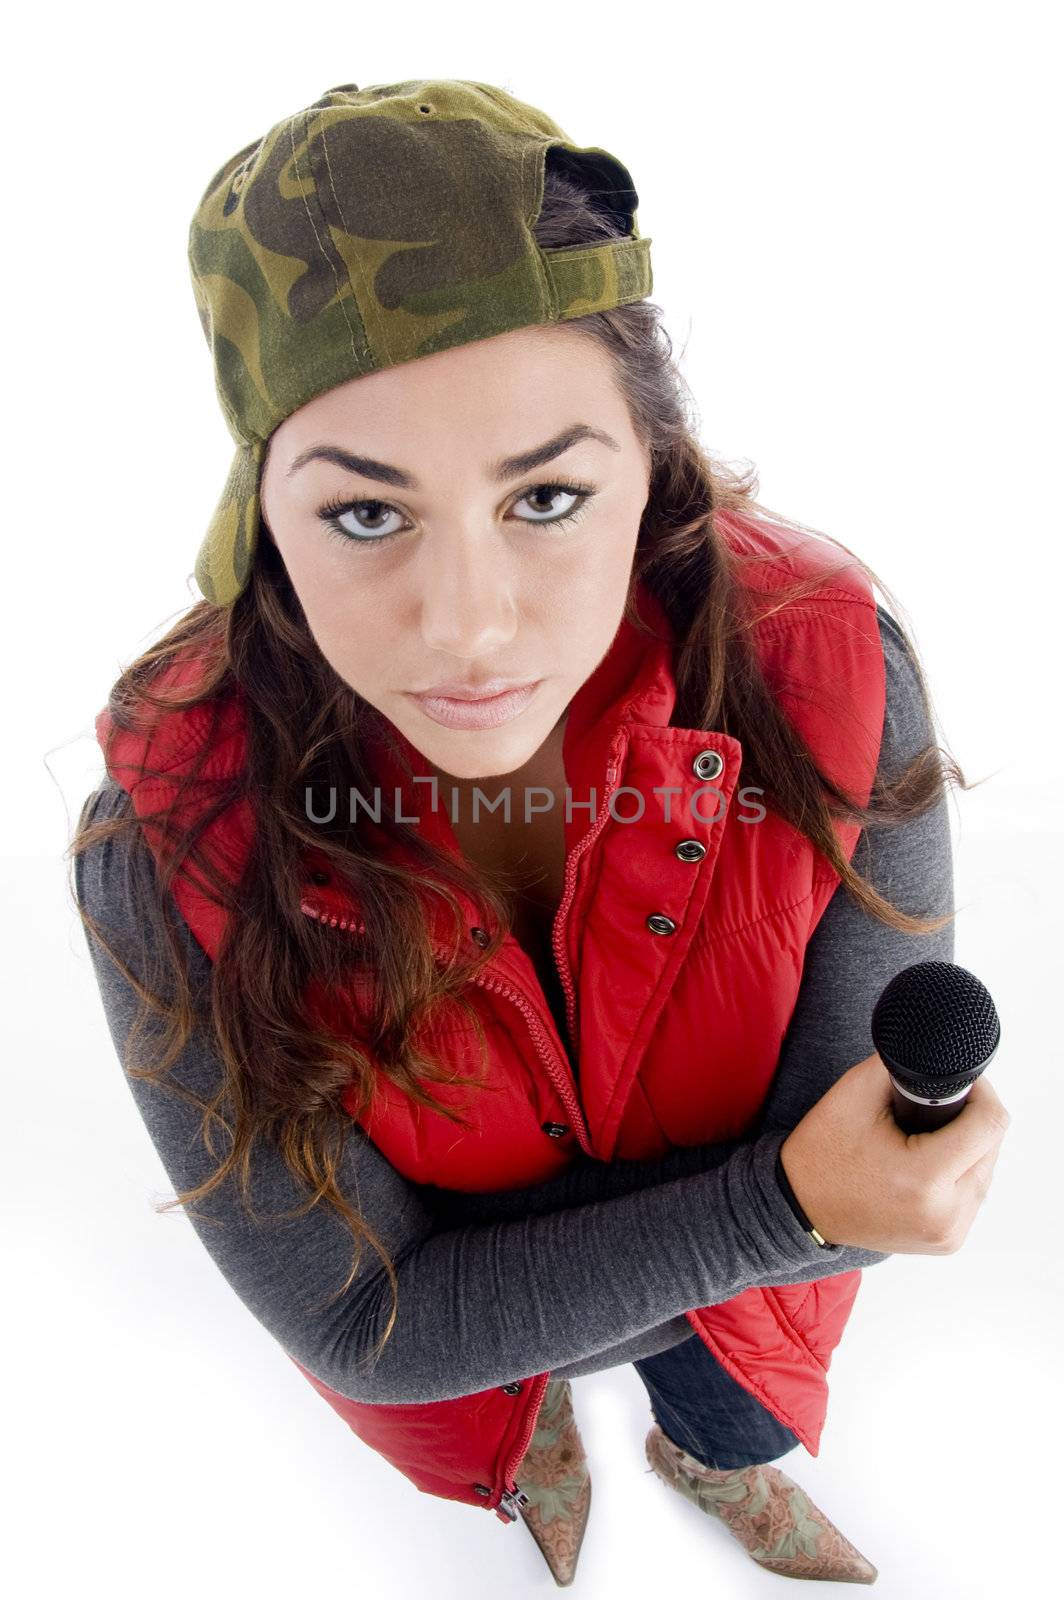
487 713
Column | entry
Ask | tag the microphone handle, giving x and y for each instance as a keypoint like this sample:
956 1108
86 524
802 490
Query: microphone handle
914 1115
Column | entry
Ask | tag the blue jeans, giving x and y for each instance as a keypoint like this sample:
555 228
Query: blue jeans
701 1408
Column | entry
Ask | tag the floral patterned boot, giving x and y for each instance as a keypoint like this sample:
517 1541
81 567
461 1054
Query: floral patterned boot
772 1518
554 1475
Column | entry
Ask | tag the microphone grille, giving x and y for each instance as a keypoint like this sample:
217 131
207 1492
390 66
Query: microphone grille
935 1027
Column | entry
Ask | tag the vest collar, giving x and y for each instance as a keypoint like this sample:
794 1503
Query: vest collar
632 687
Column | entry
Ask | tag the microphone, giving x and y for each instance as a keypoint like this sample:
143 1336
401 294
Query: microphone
935 1028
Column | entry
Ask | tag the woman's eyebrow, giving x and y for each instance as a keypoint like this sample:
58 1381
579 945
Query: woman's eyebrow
499 471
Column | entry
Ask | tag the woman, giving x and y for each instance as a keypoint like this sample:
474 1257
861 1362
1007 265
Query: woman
531 995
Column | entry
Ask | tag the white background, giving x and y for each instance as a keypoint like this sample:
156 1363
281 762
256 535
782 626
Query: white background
853 212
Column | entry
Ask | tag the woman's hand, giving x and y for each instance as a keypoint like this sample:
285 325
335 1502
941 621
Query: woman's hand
862 1181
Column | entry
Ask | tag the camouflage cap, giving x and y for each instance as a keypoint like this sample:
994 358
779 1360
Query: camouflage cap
373 227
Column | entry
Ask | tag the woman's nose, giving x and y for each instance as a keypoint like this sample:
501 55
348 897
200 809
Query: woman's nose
467 603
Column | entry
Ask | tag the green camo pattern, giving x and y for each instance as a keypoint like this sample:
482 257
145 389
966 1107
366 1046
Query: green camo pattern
373 227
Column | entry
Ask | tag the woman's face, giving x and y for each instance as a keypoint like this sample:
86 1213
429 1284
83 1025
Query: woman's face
434 546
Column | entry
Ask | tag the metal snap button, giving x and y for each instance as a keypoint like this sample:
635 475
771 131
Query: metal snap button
481 936
708 764
511 1388
555 1130
320 877
481 1488
690 850
658 923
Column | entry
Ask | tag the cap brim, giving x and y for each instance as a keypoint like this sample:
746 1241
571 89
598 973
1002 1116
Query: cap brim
223 564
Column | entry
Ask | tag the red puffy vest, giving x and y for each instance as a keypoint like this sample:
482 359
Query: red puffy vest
679 941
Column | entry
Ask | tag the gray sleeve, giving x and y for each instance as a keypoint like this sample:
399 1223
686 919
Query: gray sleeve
481 1303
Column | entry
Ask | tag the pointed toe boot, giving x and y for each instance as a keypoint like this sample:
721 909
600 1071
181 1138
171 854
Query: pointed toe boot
773 1519
554 1476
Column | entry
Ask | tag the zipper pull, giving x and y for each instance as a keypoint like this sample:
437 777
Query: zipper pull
510 1499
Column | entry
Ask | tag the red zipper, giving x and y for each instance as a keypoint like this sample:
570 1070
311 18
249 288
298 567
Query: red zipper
561 959
343 923
546 1054
511 1495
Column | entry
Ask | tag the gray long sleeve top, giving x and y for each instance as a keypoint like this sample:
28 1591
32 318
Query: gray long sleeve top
591 1269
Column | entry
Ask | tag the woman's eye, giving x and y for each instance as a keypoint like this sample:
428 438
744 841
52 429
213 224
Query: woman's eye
368 519
568 491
